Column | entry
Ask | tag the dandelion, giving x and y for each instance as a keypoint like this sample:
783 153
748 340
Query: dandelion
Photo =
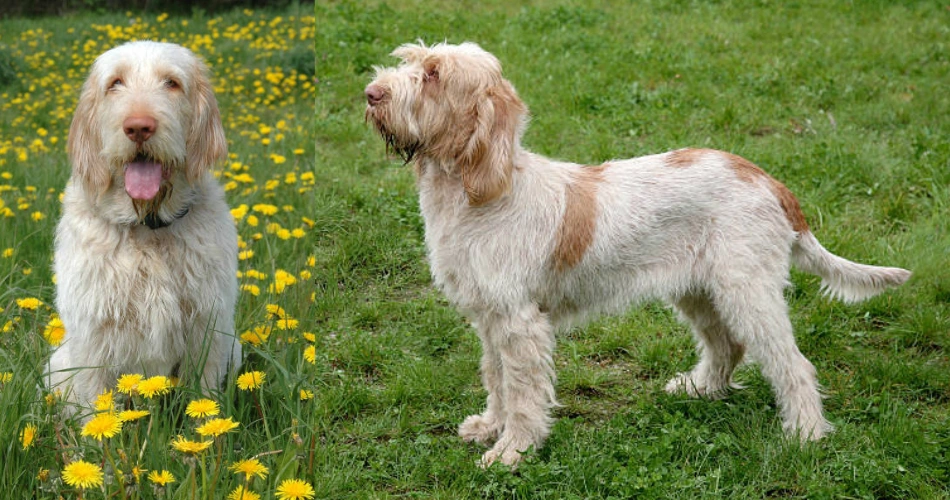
82 474
245 254
103 425
104 401
298 233
306 395
154 386
5 377
240 493
30 303
42 474
250 467
251 289
251 380
217 426
190 447
275 310
37 216
161 478
264 209
132 415
54 331
28 436
201 408
309 337
287 324
310 354
277 159
7 253
294 489
129 383
258 336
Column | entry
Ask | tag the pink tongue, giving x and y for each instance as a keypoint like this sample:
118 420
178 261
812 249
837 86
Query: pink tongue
143 179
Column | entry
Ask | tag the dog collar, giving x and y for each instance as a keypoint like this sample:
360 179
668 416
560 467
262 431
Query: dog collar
153 221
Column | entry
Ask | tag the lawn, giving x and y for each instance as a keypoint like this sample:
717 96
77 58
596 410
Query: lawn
367 370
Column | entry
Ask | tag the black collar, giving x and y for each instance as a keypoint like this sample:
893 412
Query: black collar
153 221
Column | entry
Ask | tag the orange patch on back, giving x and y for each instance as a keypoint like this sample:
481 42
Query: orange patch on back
579 221
685 157
748 172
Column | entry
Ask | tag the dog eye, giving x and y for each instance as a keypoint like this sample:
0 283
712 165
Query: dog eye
172 84
115 83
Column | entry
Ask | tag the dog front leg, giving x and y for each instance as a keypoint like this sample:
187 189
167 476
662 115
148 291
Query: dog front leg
523 343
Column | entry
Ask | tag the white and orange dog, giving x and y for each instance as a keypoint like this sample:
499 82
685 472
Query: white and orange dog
146 251
525 246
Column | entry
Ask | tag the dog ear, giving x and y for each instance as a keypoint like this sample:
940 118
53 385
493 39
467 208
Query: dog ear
486 162
411 52
206 143
83 145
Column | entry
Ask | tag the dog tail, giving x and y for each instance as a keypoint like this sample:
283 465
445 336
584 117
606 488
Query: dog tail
841 278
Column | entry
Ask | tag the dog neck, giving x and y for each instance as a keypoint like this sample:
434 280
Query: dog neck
153 221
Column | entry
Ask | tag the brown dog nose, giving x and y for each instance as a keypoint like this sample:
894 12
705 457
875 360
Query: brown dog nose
139 128
374 94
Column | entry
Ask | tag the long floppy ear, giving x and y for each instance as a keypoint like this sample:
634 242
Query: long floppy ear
84 145
206 144
486 163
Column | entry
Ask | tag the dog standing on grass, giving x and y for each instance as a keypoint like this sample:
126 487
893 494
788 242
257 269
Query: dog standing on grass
525 246
146 251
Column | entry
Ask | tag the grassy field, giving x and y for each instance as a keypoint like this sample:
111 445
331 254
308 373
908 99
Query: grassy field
368 371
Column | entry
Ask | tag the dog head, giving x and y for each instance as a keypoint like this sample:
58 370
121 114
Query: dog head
146 117
450 104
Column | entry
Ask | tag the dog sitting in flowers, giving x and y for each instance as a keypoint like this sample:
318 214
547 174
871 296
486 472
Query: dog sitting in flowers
525 246
146 250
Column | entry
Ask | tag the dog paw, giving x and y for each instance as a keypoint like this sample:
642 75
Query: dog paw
684 383
479 429
505 451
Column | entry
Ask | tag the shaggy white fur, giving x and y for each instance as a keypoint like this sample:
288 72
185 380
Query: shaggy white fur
146 251
525 246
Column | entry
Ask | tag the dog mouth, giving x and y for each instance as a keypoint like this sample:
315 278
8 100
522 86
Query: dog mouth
404 149
144 176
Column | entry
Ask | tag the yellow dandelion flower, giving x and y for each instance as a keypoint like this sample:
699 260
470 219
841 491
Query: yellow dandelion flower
251 380
154 386
161 478
7 253
275 310
104 401
190 447
294 489
287 324
137 472
277 159
252 221
217 426
311 260
201 408
251 289
299 151
103 425
240 493
131 415
245 254
239 212
309 337
306 395
42 474
250 467
5 377
258 336
305 275
30 303
298 233
310 354
283 234
82 474
265 209
129 383
54 331
37 216
28 436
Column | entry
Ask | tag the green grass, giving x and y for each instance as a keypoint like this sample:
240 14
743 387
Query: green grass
845 103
